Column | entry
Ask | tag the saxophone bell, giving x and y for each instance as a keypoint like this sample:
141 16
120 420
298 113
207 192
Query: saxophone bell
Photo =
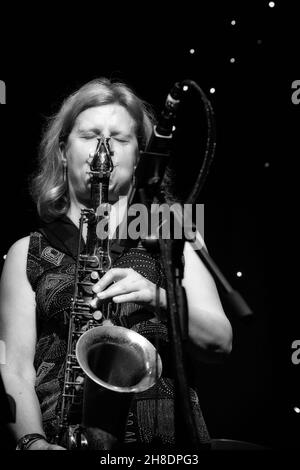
118 359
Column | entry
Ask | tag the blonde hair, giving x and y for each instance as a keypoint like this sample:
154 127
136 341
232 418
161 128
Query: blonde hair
48 186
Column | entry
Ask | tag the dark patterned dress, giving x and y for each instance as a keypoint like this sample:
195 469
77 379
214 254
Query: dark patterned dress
50 270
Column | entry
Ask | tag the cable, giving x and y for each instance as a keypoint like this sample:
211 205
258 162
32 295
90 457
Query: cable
210 142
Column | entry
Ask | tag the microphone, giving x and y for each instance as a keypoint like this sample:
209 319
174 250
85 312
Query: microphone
159 142
153 160
167 118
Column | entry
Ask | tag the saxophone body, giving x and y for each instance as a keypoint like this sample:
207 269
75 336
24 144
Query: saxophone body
113 357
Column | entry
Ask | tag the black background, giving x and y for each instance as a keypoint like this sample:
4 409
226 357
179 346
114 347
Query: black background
250 207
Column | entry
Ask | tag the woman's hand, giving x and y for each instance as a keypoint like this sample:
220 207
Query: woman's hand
42 444
126 285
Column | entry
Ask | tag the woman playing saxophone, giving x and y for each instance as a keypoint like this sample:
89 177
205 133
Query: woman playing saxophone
38 276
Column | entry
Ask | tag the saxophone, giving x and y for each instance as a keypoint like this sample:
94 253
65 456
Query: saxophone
113 357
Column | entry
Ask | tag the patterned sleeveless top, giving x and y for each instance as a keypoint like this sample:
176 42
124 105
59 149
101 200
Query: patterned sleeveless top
50 270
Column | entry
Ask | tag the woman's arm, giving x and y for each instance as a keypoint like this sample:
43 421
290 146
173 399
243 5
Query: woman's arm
209 329
18 331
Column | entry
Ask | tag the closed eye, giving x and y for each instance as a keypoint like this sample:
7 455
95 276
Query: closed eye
88 136
118 139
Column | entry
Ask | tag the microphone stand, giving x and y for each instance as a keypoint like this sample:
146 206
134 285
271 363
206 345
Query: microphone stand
187 433
171 251
147 189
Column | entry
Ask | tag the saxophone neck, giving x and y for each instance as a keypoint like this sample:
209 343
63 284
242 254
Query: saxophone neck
101 166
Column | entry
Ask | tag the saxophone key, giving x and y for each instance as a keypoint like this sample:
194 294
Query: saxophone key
97 315
95 276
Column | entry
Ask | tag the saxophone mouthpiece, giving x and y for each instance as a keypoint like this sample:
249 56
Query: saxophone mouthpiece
101 159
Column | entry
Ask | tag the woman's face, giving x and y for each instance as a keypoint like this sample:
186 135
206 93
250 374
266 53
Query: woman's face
110 120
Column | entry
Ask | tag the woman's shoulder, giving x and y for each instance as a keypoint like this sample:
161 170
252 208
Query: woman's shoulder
24 247
23 244
16 257
19 247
